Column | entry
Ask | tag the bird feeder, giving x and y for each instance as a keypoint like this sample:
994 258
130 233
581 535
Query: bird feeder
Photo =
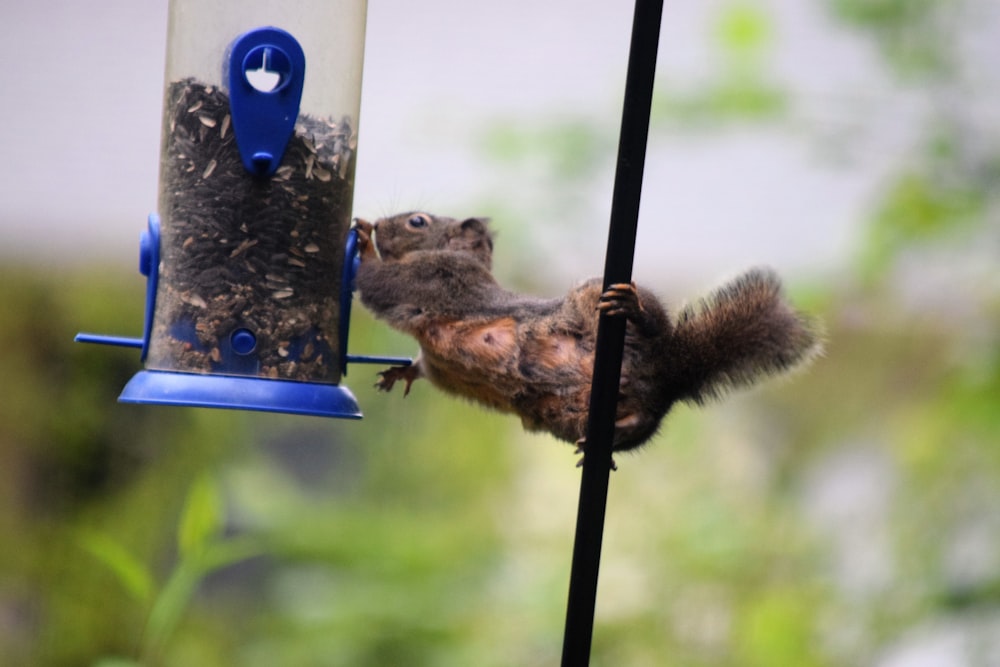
250 258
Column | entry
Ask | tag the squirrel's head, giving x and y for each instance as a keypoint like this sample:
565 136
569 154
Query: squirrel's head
399 235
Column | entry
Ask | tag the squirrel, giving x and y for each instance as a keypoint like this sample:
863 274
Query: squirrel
430 277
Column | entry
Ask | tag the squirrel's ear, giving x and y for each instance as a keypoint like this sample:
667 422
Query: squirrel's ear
476 226
474 237
475 230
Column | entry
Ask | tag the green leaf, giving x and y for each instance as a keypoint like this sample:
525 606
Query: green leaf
743 29
229 551
131 574
169 607
116 662
174 598
201 519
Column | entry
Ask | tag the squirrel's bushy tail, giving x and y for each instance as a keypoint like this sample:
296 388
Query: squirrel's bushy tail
740 334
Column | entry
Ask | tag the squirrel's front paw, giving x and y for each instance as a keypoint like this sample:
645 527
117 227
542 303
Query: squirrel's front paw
389 377
620 300
366 249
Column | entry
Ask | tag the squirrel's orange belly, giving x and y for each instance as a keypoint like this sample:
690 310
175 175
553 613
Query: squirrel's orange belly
474 359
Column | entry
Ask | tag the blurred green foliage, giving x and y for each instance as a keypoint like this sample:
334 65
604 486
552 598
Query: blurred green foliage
912 34
946 193
169 536
432 533
825 521
740 87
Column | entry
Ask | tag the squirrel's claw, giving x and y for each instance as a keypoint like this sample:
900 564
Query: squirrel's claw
390 376
614 466
620 300
580 444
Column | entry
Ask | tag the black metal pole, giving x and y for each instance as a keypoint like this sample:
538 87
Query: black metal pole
611 335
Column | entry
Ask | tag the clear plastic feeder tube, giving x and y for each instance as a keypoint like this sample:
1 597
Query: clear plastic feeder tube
255 197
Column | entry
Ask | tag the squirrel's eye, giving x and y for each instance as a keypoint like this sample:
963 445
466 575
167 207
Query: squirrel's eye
417 221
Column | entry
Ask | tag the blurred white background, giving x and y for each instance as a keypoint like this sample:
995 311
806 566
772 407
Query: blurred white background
80 126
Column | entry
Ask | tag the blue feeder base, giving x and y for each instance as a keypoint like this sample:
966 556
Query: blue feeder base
241 393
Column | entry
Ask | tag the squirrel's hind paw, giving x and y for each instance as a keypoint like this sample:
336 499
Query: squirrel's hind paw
620 300
579 450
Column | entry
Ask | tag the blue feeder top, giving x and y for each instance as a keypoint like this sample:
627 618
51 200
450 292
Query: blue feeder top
266 72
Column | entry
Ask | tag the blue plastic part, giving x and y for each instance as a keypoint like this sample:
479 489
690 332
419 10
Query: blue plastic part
351 262
235 352
392 361
149 266
101 339
266 72
241 393
243 341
